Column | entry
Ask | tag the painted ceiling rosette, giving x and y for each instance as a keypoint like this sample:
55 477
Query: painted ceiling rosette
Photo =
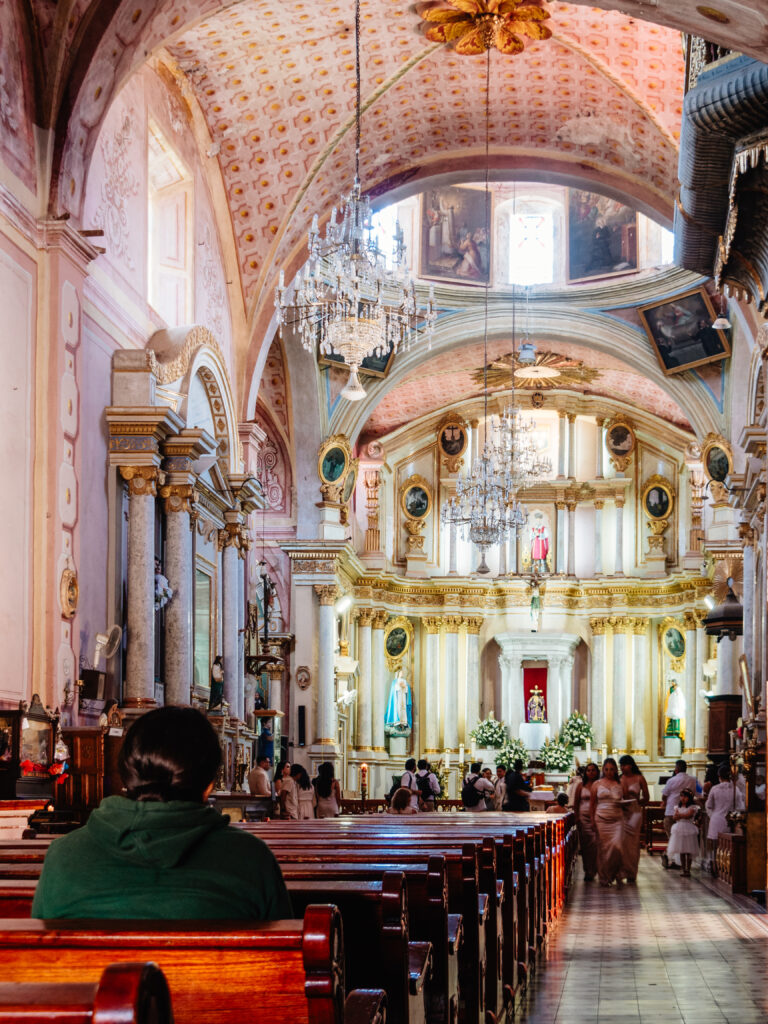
474 26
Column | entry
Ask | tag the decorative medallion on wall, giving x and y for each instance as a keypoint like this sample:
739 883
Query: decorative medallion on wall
658 502
334 458
69 593
452 440
398 640
672 636
303 677
717 458
416 503
620 442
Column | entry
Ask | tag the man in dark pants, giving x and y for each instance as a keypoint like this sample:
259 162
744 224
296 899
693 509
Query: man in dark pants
518 788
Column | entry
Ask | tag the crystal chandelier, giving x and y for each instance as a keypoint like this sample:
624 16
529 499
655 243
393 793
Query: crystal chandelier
347 300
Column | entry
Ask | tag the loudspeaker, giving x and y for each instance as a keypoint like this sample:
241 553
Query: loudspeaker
302 725
93 685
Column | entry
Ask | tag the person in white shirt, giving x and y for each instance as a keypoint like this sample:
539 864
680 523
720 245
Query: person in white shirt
499 787
480 784
259 783
429 787
670 795
408 781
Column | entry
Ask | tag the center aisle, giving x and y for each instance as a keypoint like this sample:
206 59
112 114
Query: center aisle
665 951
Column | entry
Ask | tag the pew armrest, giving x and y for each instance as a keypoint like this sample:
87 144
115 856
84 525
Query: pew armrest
366 1006
499 892
419 963
482 908
455 933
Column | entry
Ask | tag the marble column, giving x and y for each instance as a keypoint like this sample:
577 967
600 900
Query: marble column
690 688
452 550
503 557
599 537
748 598
641 686
379 679
139 685
561 445
571 506
178 567
701 713
572 445
512 692
566 687
514 560
326 724
229 540
598 685
364 679
240 689
431 730
451 678
599 448
619 686
560 540
726 676
474 679
554 692
619 567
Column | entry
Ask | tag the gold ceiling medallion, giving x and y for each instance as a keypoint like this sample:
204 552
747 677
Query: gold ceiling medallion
69 593
452 440
474 26
620 443
551 370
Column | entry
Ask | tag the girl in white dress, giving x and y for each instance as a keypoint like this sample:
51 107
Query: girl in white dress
305 792
684 837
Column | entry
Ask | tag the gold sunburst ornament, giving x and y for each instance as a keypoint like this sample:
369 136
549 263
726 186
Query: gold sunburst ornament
474 26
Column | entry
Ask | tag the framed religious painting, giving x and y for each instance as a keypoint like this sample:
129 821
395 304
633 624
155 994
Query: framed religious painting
455 238
717 457
658 498
416 498
602 236
398 638
620 443
349 481
333 459
374 366
681 332
452 440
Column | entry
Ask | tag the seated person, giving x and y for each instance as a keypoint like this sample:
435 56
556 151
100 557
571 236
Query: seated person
160 851
560 806
401 802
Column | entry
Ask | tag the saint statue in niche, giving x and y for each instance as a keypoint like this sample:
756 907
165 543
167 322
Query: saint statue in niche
674 713
536 710
398 718
539 543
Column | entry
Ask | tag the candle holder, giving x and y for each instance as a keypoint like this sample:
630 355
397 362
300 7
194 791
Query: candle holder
363 784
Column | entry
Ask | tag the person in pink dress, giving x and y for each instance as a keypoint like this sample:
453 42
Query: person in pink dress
608 816
582 805
634 789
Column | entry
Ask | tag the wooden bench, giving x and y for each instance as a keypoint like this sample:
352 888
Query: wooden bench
125 994
233 973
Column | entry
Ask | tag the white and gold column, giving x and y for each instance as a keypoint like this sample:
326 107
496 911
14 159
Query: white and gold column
599 505
474 681
641 686
599 447
364 679
554 691
451 677
572 445
327 720
571 506
431 731
379 681
512 692
619 566
178 568
701 712
621 628
561 444
598 686
230 540
690 688
560 538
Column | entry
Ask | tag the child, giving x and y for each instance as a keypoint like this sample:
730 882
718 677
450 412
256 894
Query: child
684 837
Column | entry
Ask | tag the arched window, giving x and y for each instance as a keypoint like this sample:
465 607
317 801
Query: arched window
170 231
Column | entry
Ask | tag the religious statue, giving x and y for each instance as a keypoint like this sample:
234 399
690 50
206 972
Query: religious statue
398 718
536 710
217 684
539 544
163 591
674 712
535 609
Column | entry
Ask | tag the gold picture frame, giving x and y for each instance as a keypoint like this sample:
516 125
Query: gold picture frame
333 458
681 333
620 442
658 499
673 643
416 498
452 441
398 641
69 593
717 458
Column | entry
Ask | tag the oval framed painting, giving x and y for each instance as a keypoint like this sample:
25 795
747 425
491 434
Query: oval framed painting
717 458
674 642
416 498
620 439
349 482
453 439
658 498
333 460
396 642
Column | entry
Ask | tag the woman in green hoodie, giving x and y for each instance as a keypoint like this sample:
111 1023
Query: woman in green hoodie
160 851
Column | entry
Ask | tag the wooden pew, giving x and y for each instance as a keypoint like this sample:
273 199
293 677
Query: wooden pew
125 994
233 973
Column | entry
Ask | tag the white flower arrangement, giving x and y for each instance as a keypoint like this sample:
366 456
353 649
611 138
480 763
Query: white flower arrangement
489 733
577 730
557 757
511 751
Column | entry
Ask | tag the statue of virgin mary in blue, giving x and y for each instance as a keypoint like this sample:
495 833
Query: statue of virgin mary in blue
398 718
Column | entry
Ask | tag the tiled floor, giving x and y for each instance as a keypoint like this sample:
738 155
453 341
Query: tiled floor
666 951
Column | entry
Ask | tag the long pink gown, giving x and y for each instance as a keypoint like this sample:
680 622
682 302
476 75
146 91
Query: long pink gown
609 822
633 824
587 833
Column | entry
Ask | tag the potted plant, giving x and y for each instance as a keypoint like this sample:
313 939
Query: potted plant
577 733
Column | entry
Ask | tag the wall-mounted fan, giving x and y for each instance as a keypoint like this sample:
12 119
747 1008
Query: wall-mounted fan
107 645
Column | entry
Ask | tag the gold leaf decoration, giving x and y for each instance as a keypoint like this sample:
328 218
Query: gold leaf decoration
474 26
551 370
729 573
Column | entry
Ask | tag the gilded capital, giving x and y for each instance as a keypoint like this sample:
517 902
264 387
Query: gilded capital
231 536
689 620
560 505
364 616
432 625
380 617
142 480
599 627
327 593
621 624
452 623
177 497
599 505
474 624
640 626
619 499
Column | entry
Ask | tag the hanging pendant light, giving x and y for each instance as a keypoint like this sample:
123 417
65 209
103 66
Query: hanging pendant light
347 300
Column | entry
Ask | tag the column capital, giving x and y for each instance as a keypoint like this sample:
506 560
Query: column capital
142 480
599 627
327 593
432 624
560 506
452 623
621 625
511 661
562 413
640 626
233 535
747 535
571 417
599 504
177 497
619 499
380 617
364 616
571 504
700 614
689 621
474 624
